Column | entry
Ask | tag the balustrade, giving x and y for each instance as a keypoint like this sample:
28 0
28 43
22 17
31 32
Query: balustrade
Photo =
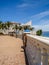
37 50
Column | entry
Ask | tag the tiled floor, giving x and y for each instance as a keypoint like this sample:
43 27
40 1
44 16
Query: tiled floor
11 52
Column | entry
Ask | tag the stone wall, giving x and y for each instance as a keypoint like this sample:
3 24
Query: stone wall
37 51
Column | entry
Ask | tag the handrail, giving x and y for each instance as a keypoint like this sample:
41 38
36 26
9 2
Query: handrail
37 49
40 38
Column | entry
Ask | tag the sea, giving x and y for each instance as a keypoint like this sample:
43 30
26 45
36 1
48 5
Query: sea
45 34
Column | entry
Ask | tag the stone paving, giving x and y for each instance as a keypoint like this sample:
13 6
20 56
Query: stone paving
11 52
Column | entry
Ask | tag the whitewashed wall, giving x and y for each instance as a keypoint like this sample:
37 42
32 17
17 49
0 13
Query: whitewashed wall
37 51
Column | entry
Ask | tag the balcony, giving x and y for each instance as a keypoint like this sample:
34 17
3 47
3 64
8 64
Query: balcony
37 49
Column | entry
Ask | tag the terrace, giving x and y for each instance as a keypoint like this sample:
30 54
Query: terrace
37 49
32 50
11 52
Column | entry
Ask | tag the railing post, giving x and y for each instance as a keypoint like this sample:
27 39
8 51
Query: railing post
45 57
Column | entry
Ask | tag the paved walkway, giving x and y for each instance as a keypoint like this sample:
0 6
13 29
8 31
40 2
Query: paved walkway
11 52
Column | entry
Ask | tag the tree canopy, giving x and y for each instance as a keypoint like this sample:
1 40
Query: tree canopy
39 32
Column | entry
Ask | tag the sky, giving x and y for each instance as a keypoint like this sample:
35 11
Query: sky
23 11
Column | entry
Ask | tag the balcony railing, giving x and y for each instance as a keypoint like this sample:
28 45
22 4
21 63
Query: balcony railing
37 49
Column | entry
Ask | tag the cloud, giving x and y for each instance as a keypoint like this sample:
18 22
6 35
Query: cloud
41 20
43 27
37 3
22 5
41 15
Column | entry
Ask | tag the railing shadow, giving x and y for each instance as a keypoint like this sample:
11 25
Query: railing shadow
26 60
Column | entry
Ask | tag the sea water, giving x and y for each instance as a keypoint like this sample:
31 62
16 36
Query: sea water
45 34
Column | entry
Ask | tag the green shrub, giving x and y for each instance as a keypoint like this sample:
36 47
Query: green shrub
39 32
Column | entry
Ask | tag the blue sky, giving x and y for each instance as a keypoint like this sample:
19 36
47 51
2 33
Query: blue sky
25 10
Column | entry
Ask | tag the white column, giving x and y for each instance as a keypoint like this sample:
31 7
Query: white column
45 57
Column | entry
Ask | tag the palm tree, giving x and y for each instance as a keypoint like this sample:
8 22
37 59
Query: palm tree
1 27
31 28
16 28
8 24
25 27
0 24
5 26
20 28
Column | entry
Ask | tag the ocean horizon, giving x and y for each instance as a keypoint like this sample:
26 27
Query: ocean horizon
45 33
